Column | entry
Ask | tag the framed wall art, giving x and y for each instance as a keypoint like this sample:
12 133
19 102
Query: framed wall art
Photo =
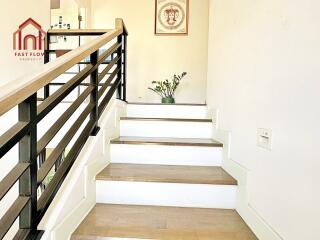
171 17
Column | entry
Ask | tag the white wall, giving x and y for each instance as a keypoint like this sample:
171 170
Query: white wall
264 72
153 57
12 14
67 4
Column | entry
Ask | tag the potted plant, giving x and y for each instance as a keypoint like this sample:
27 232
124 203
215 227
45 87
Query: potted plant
166 89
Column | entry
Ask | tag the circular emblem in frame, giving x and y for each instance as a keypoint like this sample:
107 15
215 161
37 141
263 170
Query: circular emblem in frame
171 16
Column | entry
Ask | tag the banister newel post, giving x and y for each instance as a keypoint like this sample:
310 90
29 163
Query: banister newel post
46 88
27 111
124 97
119 66
94 81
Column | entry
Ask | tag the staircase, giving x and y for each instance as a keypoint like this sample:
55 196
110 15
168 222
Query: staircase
165 180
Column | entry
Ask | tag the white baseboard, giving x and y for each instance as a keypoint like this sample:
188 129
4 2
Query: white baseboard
257 224
72 220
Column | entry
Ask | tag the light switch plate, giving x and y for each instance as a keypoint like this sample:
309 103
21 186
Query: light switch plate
264 138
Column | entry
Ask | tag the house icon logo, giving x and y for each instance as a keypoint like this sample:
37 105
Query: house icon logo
29 36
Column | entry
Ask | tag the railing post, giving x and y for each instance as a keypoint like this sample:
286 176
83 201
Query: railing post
94 78
46 89
28 154
124 83
119 66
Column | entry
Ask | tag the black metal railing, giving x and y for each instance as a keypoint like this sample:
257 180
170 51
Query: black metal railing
34 166
77 33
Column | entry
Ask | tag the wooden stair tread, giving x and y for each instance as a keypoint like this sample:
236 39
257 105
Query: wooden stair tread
170 104
166 174
152 222
201 142
165 119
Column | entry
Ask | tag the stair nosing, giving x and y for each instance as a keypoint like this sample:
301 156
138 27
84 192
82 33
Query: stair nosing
169 104
153 141
128 179
166 119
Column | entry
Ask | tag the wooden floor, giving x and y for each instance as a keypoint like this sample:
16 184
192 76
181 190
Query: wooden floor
170 223
166 174
168 141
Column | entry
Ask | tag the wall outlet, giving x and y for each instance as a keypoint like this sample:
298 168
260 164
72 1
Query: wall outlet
264 138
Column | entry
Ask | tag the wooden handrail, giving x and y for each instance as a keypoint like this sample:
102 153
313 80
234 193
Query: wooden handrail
14 93
120 24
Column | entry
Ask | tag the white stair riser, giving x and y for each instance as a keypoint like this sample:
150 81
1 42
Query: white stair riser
168 129
166 155
167 194
167 111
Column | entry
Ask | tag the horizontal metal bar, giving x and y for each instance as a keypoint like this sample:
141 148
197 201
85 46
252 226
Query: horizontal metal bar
12 137
11 178
49 193
86 63
47 105
81 84
108 82
109 95
107 53
22 234
55 128
108 68
27 234
66 73
83 63
39 234
54 156
77 32
12 214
